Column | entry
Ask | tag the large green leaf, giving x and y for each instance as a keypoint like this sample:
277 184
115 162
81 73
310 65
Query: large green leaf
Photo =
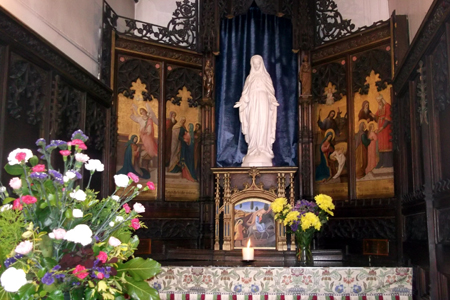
15 170
25 292
34 160
139 268
140 290
56 295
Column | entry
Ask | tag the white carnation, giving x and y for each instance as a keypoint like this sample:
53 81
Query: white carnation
94 165
121 180
119 219
77 213
79 234
139 186
13 279
139 208
78 195
115 198
111 224
5 207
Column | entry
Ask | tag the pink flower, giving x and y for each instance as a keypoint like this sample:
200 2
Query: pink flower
24 247
17 205
21 156
150 185
79 143
80 157
127 208
38 168
80 272
133 177
15 183
135 224
57 234
29 199
114 241
65 152
102 256
100 275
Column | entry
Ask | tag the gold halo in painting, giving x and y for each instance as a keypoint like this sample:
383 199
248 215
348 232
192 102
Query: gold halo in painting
138 137
375 125
332 131
359 124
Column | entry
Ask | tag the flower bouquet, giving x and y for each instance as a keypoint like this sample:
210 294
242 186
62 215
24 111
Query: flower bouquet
59 241
303 220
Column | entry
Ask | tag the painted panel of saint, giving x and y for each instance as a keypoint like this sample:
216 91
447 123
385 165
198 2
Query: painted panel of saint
137 150
331 136
182 149
254 220
373 142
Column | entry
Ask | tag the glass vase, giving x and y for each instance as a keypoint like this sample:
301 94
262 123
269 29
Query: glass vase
303 242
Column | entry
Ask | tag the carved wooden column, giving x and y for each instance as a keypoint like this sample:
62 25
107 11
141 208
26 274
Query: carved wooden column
305 140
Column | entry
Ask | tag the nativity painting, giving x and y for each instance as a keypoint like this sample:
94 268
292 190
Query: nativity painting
254 221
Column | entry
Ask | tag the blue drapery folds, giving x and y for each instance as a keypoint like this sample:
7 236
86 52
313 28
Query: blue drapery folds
241 38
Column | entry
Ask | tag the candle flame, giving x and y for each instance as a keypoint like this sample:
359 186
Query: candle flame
248 244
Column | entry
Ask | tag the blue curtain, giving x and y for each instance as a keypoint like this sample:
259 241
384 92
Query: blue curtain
241 38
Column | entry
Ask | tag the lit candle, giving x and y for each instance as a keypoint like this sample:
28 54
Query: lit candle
248 253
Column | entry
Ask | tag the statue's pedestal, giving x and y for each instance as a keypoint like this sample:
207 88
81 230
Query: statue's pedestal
242 206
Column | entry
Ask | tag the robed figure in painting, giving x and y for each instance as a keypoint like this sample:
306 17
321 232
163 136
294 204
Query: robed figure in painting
146 118
362 142
383 117
258 114
326 168
178 132
131 159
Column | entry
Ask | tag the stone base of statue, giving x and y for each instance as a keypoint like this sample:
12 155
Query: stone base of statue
260 160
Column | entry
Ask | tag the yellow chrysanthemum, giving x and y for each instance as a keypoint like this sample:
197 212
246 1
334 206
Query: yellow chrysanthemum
278 204
291 217
309 220
325 202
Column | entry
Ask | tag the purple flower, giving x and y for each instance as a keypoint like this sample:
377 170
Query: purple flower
58 177
40 142
38 175
58 143
294 226
11 260
56 268
58 276
79 135
42 157
48 278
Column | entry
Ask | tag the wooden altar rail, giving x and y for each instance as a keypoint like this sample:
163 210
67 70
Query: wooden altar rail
275 283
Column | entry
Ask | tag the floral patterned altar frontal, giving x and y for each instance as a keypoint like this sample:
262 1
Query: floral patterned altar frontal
268 283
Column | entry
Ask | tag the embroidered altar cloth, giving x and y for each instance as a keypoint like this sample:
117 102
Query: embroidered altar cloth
283 283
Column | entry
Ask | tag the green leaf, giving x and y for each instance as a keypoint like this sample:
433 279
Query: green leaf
48 263
46 246
139 268
25 292
56 295
15 170
34 160
41 272
4 295
77 293
140 290
7 200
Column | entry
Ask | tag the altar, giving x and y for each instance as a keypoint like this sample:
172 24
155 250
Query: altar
243 282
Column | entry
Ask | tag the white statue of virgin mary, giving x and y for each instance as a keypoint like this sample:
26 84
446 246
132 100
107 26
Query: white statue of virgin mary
258 115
